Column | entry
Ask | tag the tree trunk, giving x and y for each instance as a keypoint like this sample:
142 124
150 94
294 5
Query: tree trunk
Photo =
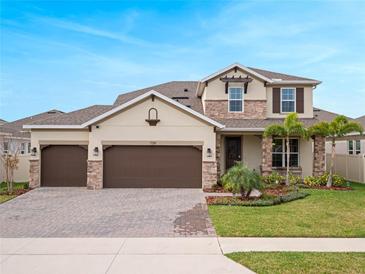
333 151
287 161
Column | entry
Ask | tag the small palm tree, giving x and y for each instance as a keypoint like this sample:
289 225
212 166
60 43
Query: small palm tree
291 127
338 127
241 179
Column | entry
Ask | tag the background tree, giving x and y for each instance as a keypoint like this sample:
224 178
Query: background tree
9 157
338 127
291 127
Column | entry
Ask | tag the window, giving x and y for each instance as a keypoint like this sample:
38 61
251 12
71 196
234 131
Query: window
235 100
279 153
29 145
6 147
22 148
288 100
354 147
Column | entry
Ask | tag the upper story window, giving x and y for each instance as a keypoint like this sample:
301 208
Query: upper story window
5 147
235 102
22 148
287 100
354 147
29 145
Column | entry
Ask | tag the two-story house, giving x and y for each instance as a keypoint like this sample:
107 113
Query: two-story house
178 134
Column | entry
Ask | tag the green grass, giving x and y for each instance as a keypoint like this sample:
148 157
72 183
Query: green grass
325 213
301 262
6 197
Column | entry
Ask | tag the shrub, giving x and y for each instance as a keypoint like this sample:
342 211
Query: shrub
273 178
294 179
240 179
337 180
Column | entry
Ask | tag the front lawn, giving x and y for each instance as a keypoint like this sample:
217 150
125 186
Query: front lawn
301 262
325 213
19 188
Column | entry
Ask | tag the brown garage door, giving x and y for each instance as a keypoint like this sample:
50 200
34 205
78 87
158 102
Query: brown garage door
63 165
153 166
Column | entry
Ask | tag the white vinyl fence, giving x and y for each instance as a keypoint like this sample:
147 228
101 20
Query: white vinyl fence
352 167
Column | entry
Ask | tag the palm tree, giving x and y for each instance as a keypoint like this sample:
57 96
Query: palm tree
338 127
291 127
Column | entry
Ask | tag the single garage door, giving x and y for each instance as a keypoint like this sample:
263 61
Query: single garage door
63 165
153 166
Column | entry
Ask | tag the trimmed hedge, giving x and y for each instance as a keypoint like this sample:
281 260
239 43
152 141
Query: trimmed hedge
266 201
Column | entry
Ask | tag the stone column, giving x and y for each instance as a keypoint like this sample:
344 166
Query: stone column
94 174
34 173
266 158
209 174
319 155
218 153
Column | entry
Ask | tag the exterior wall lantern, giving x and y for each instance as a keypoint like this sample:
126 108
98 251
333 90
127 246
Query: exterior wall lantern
96 151
209 152
34 151
152 117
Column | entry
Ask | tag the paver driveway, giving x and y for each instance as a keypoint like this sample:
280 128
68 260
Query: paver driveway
78 212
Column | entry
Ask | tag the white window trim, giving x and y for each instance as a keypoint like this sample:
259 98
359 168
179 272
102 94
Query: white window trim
229 100
281 99
354 150
284 153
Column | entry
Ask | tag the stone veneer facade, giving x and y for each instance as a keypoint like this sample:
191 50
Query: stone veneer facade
94 174
209 176
319 156
218 154
218 109
266 158
34 173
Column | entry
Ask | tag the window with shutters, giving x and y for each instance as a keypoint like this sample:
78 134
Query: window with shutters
287 100
235 103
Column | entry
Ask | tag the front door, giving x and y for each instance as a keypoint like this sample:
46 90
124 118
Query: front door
233 151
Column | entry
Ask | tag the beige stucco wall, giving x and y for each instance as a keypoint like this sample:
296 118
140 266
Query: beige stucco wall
251 151
306 156
308 104
216 88
21 174
58 137
341 147
176 127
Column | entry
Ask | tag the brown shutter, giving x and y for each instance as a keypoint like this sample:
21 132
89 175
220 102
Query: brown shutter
276 100
300 100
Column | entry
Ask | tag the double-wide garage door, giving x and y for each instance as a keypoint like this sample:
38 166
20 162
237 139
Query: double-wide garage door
125 166
153 166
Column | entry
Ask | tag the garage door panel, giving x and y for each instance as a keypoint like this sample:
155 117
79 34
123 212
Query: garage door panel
152 166
63 165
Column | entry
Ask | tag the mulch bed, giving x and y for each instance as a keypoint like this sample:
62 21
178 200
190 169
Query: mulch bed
277 190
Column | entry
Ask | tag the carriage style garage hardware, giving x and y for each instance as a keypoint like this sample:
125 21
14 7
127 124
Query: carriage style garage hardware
152 122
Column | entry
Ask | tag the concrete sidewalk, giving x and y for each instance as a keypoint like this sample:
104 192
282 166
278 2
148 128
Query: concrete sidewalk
115 255
149 255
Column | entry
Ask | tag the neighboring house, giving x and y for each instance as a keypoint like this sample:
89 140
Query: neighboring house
352 144
13 138
178 134
2 122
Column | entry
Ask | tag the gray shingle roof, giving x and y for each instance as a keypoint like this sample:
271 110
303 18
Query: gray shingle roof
324 115
276 75
361 120
174 89
76 117
15 128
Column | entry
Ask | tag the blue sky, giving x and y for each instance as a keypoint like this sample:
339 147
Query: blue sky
69 55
